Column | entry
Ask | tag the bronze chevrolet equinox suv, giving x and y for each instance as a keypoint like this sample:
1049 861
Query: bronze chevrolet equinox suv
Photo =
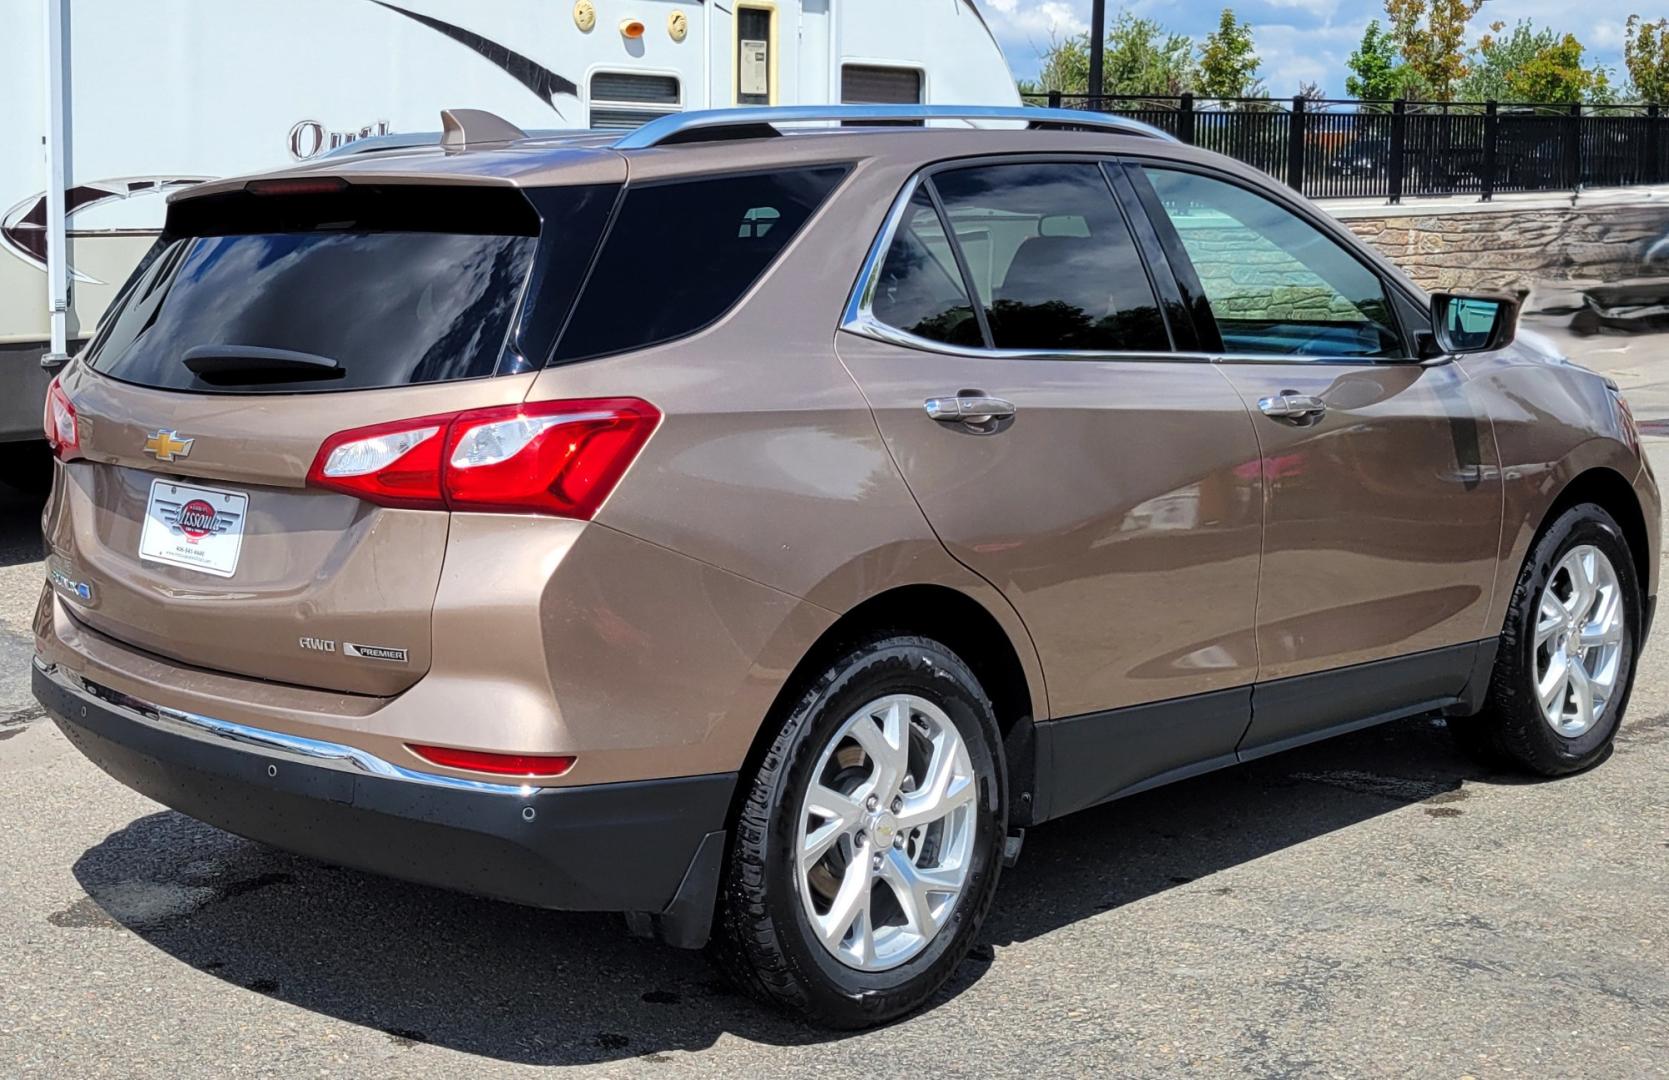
753 522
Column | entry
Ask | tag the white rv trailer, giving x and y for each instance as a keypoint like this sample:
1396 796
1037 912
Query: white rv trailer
125 100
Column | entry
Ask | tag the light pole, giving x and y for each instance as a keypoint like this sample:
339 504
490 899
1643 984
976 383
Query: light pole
1097 47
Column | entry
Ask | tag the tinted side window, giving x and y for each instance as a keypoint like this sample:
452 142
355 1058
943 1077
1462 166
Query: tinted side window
1051 257
681 253
919 288
1276 284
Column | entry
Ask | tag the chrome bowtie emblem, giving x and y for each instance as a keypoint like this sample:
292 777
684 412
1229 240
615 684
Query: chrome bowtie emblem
166 445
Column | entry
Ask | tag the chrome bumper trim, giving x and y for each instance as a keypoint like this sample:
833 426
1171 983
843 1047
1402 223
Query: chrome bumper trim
271 744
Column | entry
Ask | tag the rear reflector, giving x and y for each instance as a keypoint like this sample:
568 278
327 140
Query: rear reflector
497 764
62 433
547 457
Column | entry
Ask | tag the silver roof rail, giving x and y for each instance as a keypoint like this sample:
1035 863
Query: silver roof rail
711 124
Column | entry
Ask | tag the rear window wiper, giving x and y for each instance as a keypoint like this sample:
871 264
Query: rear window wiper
250 364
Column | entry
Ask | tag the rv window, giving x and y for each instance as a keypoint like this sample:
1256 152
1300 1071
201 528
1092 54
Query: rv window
753 55
681 253
385 300
866 84
622 100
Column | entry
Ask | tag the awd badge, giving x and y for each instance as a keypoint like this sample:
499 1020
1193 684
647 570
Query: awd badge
78 589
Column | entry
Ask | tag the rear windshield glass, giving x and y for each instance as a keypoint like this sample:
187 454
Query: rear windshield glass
347 293
681 253
388 308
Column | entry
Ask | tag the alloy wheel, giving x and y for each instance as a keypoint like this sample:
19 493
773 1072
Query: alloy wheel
1578 641
886 831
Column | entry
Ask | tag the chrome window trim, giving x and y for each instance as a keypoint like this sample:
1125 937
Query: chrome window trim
863 290
272 744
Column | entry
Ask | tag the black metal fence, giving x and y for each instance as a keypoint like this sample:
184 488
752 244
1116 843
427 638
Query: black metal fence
1388 149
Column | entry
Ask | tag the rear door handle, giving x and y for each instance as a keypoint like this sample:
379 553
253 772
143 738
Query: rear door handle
970 409
1291 405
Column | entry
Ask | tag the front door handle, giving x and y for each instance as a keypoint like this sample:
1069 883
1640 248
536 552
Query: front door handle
971 409
1291 405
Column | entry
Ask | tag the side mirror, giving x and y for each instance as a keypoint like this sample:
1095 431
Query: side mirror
1473 322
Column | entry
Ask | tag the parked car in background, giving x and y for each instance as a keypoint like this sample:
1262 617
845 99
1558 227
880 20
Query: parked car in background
155 98
754 525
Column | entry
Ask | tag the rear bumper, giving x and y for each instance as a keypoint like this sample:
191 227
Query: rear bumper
651 847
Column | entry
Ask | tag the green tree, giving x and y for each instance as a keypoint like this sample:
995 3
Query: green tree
1496 56
1646 55
1144 58
1228 65
1065 68
1377 72
1532 65
1431 36
1555 74
1141 58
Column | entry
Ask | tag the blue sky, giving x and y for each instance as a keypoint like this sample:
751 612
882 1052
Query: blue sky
1302 40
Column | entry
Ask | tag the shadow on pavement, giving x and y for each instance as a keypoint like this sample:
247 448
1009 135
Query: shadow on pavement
20 523
549 988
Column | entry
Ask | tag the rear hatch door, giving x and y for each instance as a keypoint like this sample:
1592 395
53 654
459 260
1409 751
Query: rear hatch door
262 323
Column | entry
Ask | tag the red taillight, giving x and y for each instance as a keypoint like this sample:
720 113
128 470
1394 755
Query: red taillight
546 457
550 457
497 764
61 431
394 464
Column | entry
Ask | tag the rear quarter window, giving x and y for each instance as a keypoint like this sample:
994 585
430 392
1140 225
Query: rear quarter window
681 253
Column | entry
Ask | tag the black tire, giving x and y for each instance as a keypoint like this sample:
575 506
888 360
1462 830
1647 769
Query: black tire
764 940
1511 731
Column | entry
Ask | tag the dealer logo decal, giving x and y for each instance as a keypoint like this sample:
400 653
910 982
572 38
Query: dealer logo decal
195 519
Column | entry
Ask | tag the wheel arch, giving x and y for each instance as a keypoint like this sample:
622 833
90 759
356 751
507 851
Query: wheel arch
948 616
1007 669
1608 489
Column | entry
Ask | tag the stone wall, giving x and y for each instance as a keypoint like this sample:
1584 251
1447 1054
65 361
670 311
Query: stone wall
1503 245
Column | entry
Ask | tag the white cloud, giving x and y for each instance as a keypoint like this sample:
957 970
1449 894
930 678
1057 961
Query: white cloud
1606 36
1292 55
1319 9
1048 17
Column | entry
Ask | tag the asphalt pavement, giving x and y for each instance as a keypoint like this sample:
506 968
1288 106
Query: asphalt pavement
1371 906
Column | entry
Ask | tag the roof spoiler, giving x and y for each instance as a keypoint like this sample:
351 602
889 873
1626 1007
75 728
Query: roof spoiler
466 127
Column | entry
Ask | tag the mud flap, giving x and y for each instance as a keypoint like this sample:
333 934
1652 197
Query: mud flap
687 922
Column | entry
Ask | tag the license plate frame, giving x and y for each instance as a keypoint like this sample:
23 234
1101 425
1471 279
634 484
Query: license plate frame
194 527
